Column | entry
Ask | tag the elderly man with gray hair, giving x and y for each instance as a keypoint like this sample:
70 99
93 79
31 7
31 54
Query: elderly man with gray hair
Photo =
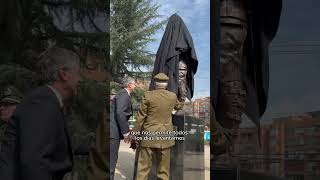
119 126
36 145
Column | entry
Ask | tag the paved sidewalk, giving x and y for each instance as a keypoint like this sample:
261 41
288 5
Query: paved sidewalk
124 168
125 165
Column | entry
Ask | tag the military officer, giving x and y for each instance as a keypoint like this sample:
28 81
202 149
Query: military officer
113 94
10 99
155 116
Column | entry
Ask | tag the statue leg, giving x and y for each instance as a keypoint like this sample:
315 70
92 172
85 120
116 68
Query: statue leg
182 84
231 101
182 89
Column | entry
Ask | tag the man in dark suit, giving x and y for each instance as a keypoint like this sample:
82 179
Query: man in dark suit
119 127
36 145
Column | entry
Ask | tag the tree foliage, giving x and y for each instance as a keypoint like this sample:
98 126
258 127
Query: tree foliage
88 105
28 27
22 78
136 95
132 25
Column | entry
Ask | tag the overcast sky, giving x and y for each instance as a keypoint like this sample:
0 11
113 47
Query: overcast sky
295 61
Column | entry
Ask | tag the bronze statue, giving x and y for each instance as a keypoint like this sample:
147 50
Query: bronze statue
176 57
247 27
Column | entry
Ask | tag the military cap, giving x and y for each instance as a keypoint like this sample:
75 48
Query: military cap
161 77
113 92
11 95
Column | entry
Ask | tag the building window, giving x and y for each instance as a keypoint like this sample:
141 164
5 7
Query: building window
298 131
309 131
289 131
292 141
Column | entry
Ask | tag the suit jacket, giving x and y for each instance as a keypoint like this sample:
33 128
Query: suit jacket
155 115
36 145
120 115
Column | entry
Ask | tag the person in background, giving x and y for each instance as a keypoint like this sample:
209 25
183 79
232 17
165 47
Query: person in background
36 144
113 94
10 99
119 126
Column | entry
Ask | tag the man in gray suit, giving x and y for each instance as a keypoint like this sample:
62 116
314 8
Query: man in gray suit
36 145
119 127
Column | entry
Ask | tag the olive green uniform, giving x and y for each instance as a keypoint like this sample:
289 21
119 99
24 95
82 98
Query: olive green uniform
155 115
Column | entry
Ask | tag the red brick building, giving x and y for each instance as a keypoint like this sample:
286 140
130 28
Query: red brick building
200 108
290 147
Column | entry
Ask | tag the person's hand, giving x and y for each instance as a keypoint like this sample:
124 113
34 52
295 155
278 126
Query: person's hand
126 138
134 145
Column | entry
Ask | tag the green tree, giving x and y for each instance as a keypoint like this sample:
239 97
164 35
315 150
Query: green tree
132 25
14 74
28 27
136 95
